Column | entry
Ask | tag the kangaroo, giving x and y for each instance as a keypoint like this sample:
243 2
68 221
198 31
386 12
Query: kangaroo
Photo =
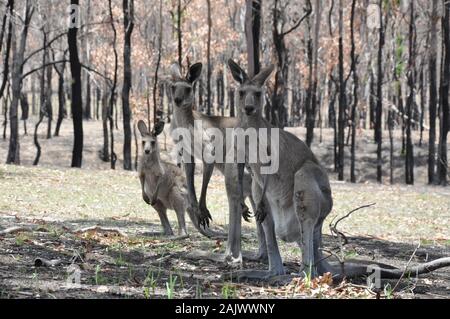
163 184
299 196
183 117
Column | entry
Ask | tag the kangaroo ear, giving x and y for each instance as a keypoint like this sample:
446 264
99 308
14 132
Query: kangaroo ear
194 72
142 127
239 75
175 72
158 128
263 75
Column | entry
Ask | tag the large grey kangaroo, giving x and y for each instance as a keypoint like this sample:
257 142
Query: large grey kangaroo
182 94
163 184
299 196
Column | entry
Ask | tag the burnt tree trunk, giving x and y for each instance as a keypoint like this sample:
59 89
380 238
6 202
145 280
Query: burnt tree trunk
76 98
5 111
432 67
311 108
25 106
444 91
97 102
10 6
18 59
208 57
354 71
48 99
342 98
128 13
61 98
179 35
409 159
252 34
231 101
112 98
104 153
379 95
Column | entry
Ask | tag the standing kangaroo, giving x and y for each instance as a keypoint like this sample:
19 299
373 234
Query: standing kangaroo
299 196
163 184
184 116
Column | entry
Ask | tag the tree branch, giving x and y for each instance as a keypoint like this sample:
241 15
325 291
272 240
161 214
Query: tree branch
42 67
299 22
48 44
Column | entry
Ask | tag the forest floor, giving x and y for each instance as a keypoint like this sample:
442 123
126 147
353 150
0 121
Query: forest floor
54 207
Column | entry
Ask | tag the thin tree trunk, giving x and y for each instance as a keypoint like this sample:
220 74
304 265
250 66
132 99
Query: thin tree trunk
391 146
432 66
48 100
97 102
5 111
179 36
311 117
422 104
105 111
354 70
33 97
231 101
379 108
113 90
10 5
77 102
25 111
342 98
208 57
158 64
252 34
61 98
14 144
409 159
128 12
36 140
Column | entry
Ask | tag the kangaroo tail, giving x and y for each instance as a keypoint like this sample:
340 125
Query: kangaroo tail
355 269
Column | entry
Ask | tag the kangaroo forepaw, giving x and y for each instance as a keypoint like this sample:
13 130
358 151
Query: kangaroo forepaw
246 213
146 199
261 212
204 216
153 201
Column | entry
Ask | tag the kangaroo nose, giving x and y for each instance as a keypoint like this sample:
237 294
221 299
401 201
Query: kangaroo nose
147 151
178 101
249 109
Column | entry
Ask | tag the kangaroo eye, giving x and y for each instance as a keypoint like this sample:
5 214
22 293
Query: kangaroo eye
188 91
258 94
173 87
152 143
241 93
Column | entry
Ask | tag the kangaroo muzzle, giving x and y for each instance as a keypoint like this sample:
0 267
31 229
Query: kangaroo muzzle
249 104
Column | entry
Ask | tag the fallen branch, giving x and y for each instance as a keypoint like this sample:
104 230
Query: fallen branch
15 230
